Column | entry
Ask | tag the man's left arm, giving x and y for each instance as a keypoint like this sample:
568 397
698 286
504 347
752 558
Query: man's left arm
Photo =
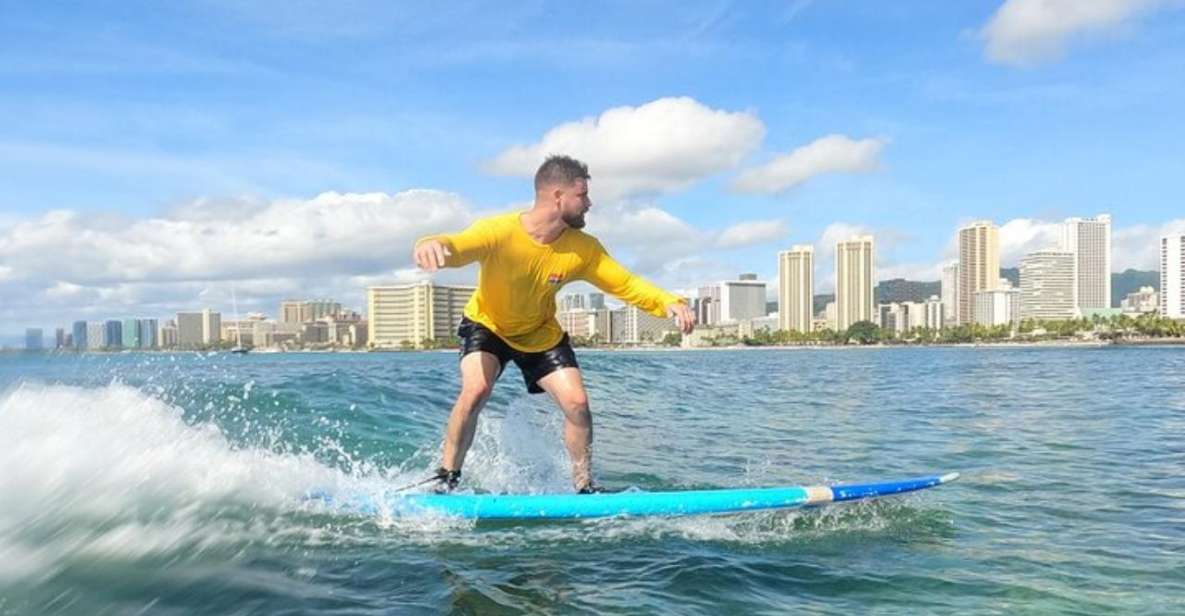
608 275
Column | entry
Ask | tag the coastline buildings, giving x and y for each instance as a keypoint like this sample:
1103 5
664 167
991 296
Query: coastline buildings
1047 280
305 310
632 325
79 335
707 305
1000 305
198 328
949 288
979 266
1172 276
796 288
901 317
403 315
1144 301
95 336
1089 239
570 302
935 313
855 272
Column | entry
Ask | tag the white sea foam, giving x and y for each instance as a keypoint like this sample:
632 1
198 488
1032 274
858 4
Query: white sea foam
113 472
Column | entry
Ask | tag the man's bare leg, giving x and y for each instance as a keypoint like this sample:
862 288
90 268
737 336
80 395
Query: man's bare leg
479 372
567 389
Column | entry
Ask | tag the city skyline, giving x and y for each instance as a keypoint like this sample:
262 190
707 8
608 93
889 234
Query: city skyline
309 152
978 232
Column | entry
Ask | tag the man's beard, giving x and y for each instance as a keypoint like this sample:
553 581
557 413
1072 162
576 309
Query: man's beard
574 221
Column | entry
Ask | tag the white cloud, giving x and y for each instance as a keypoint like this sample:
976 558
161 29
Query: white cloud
645 236
321 236
1138 247
1026 32
657 147
751 232
63 265
1020 236
830 154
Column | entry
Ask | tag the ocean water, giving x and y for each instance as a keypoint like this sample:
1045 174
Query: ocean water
171 484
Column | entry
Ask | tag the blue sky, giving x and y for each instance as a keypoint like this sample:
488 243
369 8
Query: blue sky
130 132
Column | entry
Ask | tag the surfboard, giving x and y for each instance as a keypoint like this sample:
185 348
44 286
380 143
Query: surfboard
628 504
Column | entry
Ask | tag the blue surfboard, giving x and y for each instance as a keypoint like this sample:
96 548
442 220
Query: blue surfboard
635 503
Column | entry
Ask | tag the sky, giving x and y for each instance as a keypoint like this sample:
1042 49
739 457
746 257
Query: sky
160 157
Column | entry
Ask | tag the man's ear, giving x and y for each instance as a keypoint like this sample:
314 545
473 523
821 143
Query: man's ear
557 194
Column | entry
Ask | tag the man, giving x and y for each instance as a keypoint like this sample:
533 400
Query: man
525 258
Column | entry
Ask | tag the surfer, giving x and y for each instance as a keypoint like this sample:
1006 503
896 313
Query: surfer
525 258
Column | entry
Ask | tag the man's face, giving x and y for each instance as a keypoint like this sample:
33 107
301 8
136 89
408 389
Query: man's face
574 202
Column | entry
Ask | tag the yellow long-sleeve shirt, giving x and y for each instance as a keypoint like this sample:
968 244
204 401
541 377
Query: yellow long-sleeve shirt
519 278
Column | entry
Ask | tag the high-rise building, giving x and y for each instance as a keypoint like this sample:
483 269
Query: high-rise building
596 301
409 314
1047 285
707 310
295 311
169 335
855 278
979 266
570 302
196 329
1090 241
741 299
632 325
131 334
96 335
148 333
901 317
60 338
950 291
79 335
935 313
34 339
1172 276
578 322
114 334
323 308
998 306
211 326
796 288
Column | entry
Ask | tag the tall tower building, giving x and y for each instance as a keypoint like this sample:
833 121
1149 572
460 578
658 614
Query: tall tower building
295 311
796 288
1047 285
1172 276
742 299
979 266
1090 241
855 272
950 291
409 314
80 331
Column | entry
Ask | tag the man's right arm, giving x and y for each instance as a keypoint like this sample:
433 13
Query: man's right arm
454 250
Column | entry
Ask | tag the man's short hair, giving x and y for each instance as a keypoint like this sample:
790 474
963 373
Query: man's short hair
561 170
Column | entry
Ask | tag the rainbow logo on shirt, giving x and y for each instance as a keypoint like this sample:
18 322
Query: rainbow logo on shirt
555 278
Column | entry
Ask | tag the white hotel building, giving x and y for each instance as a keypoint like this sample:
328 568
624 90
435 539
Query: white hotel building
1172 276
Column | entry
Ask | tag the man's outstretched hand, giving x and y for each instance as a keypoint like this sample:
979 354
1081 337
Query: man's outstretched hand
430 255
684 317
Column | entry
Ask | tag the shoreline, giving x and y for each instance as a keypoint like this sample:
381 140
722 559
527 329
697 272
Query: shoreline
1154 342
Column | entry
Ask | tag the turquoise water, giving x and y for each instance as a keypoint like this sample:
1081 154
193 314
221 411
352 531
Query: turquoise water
170 484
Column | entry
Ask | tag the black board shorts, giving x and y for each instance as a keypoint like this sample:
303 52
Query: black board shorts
477 337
